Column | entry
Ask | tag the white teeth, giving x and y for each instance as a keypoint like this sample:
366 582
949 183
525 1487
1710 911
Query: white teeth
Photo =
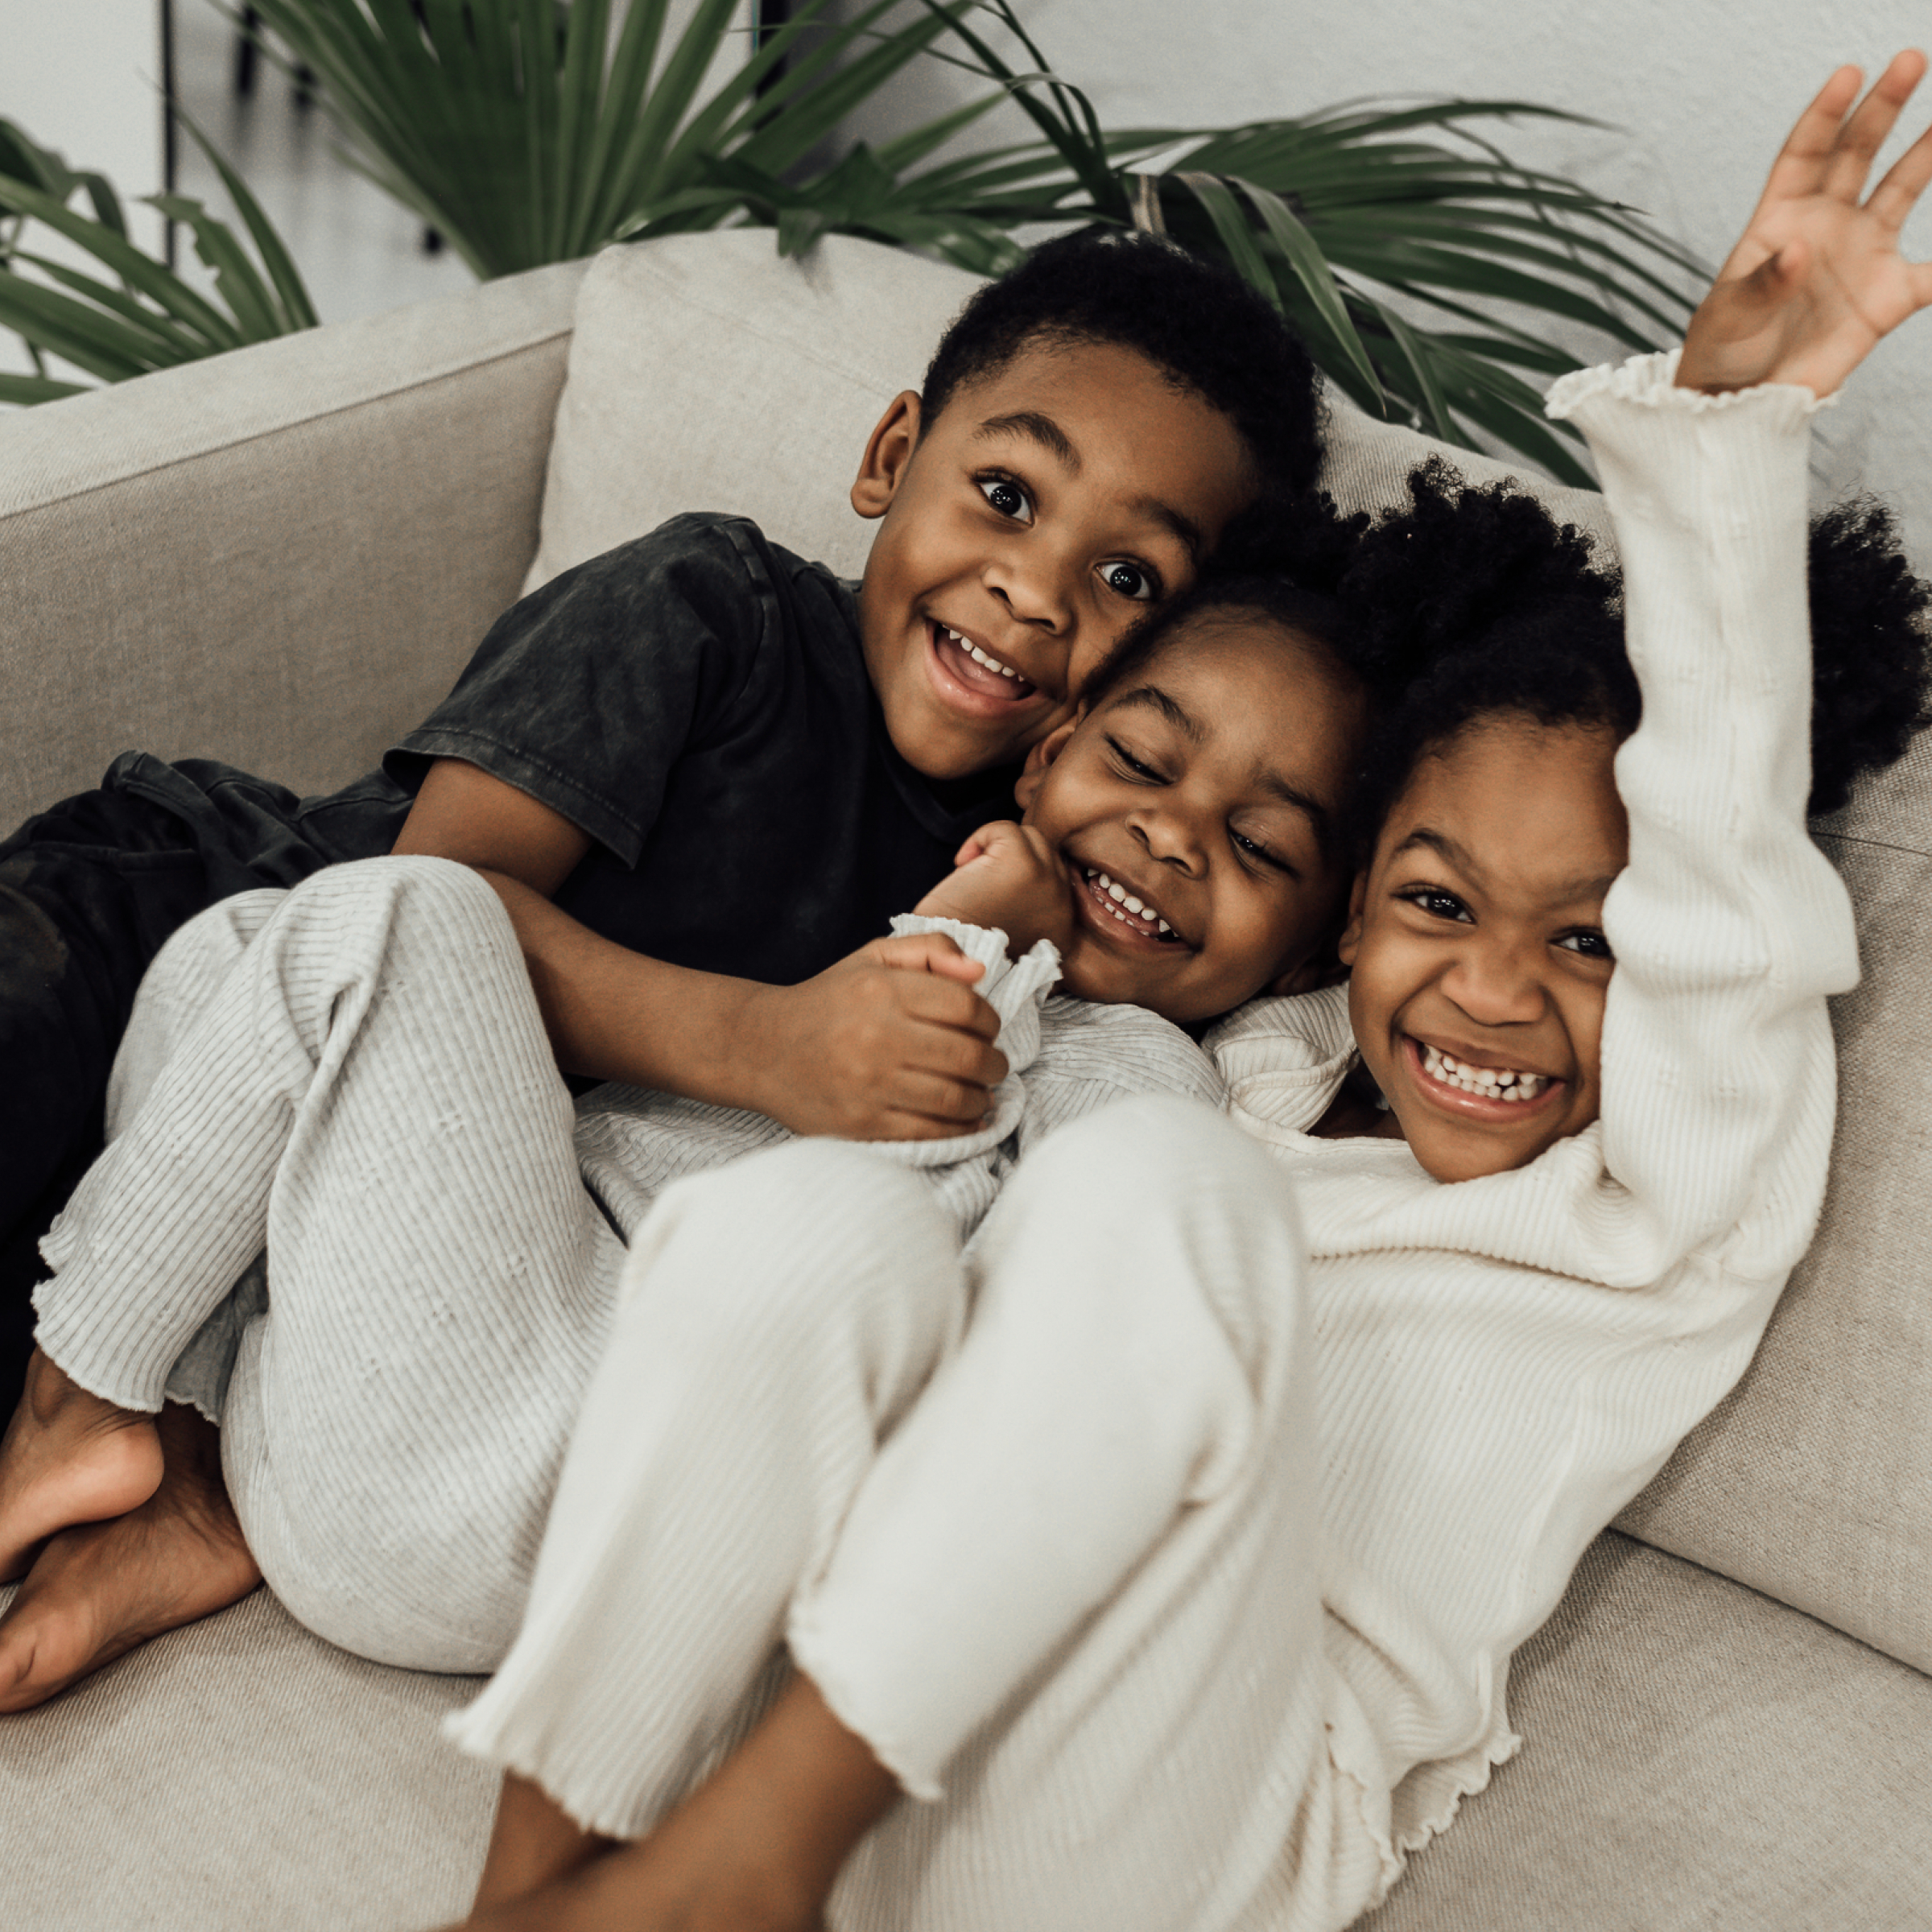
1493 1083
1124 902
978 656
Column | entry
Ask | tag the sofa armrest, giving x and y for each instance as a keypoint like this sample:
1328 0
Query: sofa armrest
280 557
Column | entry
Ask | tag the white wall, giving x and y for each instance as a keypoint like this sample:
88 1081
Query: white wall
1702 91
84 77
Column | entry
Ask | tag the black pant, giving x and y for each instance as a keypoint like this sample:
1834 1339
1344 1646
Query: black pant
89 891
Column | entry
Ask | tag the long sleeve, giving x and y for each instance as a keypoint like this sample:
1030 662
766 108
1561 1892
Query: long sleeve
1729 926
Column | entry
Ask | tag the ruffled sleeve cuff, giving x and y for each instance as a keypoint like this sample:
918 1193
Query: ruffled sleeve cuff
1015 989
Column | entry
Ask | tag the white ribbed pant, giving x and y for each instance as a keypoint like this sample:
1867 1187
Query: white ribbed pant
1038 1521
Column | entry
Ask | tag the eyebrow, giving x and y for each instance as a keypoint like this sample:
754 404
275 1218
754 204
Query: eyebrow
1562 893
1184 530
1150 697
1038 428
1320 818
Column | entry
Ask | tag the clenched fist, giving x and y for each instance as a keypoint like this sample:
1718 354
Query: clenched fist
891 1044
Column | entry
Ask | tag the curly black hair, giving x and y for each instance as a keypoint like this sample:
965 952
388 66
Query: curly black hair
1197 321
1474 601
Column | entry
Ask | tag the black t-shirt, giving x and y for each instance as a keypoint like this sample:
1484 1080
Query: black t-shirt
696 701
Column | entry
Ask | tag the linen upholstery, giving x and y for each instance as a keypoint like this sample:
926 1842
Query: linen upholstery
279 557
1813 1480
781 369
1698 1756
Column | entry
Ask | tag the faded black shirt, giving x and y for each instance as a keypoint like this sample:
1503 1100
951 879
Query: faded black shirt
696 702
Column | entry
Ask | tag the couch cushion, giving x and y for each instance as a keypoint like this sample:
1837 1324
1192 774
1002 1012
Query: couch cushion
238 1774
1694 1756
783 369
282 556
1813 1480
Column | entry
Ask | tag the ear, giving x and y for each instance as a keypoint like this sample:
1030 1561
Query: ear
1033 774
1350 943
888 456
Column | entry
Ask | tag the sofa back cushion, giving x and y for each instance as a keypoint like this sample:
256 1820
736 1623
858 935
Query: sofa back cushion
1813 1480
706 373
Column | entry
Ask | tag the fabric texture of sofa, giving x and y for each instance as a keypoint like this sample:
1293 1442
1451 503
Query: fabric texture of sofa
282 557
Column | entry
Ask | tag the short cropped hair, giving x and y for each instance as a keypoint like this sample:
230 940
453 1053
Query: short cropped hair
1199 323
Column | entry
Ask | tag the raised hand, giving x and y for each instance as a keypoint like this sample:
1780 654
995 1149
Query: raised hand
1007 876
891 1044
1818 278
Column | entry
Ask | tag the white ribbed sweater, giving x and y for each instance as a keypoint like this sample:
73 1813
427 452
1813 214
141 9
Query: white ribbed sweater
1504 1362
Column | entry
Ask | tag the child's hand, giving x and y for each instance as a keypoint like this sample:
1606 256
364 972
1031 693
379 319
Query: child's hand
891 1044
1008 877
1818 278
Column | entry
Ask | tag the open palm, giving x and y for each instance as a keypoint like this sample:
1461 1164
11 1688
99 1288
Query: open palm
1818 278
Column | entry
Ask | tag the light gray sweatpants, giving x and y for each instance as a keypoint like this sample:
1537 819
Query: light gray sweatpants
354 1075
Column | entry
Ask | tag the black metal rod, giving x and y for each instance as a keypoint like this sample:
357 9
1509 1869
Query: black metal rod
170 133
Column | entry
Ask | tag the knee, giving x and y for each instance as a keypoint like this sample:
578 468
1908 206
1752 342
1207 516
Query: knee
789 1245
1183 1216
1151 1153
412 885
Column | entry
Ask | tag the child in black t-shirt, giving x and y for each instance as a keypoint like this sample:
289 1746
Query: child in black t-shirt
700 772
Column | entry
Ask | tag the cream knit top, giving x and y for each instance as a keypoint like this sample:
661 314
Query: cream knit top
1503 1362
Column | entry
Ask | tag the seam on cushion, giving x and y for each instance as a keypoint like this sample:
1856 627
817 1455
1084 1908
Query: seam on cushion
859 378
321 415
1852 838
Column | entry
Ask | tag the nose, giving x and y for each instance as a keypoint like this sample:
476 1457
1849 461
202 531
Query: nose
1494 982
1167 832
1034 582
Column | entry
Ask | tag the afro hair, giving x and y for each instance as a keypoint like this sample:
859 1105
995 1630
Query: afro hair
1473 601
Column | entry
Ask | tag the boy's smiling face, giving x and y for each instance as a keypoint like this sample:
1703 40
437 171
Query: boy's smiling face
1478 967
1197 808
1050 502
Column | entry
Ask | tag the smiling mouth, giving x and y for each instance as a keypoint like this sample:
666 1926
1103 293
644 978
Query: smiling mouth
969 664
1119 912
1473 1092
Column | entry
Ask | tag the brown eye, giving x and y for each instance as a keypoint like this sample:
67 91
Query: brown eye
1127 579
1007 498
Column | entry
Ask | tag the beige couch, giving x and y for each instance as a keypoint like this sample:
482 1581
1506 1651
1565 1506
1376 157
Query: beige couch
281 558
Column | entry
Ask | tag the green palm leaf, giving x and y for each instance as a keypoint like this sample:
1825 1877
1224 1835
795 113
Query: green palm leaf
140 315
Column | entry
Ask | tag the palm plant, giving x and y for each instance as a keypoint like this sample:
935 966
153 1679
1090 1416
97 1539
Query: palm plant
529 131
147 317
1344 218
524 132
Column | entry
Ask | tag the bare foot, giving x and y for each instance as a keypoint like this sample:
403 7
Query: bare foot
68 1457
755 1848
96 1591
533 1842
635 1889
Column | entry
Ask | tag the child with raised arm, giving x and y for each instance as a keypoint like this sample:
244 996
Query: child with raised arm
1182 1595
702 774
